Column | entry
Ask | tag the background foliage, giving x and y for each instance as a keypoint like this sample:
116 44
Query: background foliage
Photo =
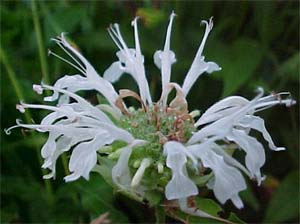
256 44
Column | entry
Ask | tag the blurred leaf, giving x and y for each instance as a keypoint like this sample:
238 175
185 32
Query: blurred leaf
61 20
151 16
248 197
284 205
268 27
28 190
97 198
238 62
290 68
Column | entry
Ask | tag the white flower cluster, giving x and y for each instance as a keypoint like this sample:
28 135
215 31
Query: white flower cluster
74 124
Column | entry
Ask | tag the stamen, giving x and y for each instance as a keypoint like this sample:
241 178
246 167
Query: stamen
65 60
60 44
111 34
8 130
118 35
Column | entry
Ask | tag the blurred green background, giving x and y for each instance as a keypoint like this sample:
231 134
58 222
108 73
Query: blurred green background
255 43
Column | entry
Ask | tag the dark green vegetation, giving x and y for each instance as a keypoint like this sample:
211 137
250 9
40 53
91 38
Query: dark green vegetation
255 43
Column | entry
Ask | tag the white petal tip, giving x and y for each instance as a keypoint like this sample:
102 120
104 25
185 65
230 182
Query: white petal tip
20 108
279 149
38 89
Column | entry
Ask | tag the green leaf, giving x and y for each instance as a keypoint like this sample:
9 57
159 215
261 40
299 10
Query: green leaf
265 22
153 197
244 57
238 62
104 169
202 180
233 218
209 206
284 205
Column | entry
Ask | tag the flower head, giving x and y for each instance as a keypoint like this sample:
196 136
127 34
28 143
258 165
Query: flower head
158 146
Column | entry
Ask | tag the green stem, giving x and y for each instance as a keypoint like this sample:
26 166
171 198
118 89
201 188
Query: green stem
37 28
160 216
12 77
43 61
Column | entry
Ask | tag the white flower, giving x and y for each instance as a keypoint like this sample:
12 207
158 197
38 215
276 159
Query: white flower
158 136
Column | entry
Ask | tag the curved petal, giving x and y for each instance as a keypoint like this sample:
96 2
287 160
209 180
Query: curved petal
255 154
180 186
84 156
114 72
227 181
258 124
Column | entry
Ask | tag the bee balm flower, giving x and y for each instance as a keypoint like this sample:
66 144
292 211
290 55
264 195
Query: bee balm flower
158 146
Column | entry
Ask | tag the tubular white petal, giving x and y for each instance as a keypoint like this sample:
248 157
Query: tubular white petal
220 128
120 172
83 103
133 61
221 109
236 200
164 59
146 162
180 186
199 66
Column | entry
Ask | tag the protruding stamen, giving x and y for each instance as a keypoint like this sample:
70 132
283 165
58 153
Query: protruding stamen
61 43
112 35
65 60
